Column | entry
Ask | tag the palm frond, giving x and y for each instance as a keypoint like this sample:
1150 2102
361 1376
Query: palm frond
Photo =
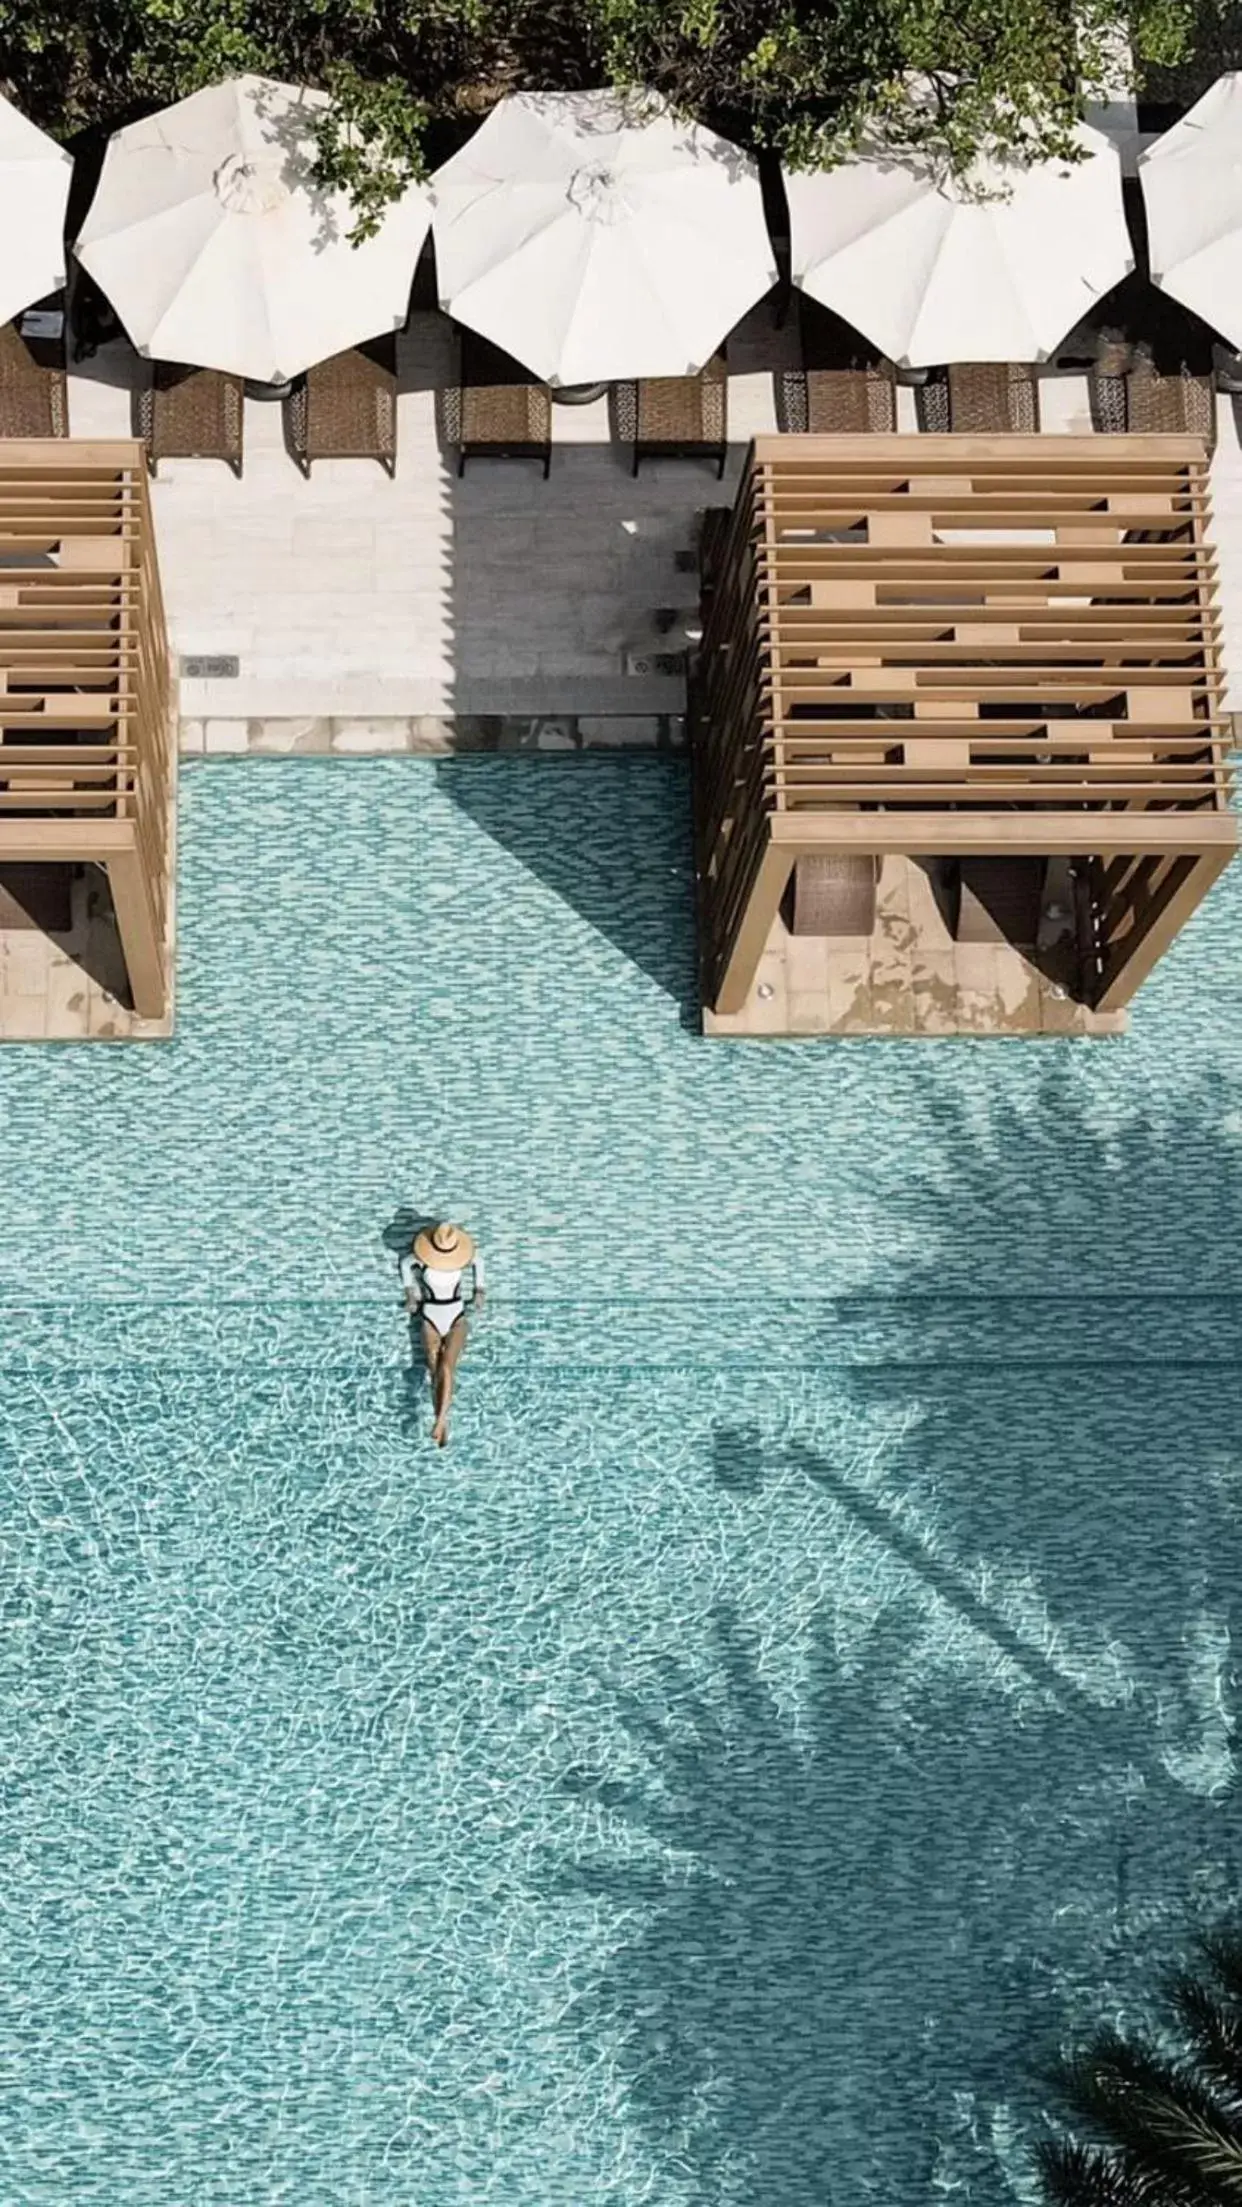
1222 1950
1162 2116
1074 2175
1213 2032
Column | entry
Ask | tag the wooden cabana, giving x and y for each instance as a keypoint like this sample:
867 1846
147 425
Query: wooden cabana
87 738
955 665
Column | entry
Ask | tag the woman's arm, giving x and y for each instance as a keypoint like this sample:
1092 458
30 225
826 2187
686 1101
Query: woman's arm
480 1278
411 1280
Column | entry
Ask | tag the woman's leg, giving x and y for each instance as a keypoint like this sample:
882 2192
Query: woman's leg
442 1379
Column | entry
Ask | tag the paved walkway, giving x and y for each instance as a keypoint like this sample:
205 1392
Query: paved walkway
364 613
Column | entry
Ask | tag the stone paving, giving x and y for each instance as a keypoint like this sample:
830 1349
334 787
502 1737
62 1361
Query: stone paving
429 612
352 598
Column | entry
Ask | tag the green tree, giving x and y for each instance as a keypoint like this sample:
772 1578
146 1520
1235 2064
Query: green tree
802 77
1169 2116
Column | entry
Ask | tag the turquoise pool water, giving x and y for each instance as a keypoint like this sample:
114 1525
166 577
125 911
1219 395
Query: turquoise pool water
804 1689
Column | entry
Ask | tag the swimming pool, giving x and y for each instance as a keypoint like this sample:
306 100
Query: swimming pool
803 1689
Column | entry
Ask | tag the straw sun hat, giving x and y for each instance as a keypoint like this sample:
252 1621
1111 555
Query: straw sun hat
444 1248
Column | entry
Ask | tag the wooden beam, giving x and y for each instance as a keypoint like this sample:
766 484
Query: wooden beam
1155 930
1005 834
77 842
140 940
769 886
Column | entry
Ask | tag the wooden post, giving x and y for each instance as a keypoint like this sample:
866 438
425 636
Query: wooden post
140 942
755 926
1151 935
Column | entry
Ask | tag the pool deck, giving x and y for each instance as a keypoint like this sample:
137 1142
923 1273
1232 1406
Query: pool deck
492 611
911 978
431 614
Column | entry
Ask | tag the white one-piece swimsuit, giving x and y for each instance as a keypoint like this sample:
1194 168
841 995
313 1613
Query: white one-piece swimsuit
442 1303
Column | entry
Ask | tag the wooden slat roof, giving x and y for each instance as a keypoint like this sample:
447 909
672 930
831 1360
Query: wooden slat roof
74 550
1016 623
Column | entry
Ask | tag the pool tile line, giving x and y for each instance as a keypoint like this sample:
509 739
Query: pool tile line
431 735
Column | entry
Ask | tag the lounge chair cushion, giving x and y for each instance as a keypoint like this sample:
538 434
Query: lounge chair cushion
191 413
346 407
834 896
851 401
990 398
683 414
1176 404
33 390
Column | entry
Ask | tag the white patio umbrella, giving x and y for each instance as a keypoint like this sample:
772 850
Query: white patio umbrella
597 237
931 272
34 191
216 246
1192 191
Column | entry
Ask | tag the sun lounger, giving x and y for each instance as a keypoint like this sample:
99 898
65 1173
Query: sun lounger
987 398
1161 385
980 398
1173 404
682 417
498 411
843 388
346 408
33 392
851 401
834 896
1001 900
190 414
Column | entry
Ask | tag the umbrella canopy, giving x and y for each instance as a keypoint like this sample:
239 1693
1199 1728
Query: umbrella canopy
216 246
1192 191
596 237
930 271
34 191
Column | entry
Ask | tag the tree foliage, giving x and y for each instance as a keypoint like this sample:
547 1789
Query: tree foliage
802 77
1168 2118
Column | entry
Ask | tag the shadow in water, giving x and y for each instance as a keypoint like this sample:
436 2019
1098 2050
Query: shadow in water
588 829
833 1945
856 1924
737 1459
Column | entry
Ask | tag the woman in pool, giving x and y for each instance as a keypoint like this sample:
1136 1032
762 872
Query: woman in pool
433 1274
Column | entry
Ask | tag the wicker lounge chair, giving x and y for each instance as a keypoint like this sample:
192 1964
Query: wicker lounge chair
834 896
498 411
1163 384
1106 381
844 386
1173 403
1001 900
34 398
681 417
346 408
190 414
980 398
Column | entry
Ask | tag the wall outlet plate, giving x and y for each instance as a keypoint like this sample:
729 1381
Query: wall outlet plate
220 667
669 663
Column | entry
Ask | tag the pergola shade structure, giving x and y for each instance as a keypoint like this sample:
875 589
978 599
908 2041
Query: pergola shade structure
87 751
962 649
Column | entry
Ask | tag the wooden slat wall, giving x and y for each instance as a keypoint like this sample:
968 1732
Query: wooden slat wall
85 686
1012 627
